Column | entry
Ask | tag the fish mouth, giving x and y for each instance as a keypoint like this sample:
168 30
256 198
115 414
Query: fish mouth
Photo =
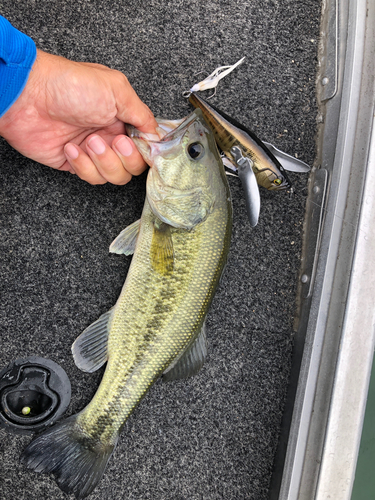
167 130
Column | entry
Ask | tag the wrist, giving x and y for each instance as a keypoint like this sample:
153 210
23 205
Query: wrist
17 56
25 105
19 120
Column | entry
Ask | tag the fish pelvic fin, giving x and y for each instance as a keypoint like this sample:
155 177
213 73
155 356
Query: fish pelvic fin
126 241
75 459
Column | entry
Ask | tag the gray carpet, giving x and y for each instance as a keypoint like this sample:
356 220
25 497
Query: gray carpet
213 436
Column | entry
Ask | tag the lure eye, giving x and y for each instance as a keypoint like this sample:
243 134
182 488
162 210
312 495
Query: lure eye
195 150
277 182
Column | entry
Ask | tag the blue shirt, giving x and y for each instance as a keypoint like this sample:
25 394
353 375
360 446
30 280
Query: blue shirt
17 55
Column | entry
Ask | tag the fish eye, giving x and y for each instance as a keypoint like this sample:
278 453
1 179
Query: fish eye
195 150
277 182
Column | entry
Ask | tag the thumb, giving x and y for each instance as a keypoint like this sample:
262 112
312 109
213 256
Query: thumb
130 109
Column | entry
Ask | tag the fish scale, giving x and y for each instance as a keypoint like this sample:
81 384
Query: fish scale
176 330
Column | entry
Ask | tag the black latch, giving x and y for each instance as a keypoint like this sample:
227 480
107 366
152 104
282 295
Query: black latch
34 393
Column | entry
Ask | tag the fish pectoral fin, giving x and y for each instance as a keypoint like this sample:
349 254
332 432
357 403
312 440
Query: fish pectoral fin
126 240
161 250
191 360
90 348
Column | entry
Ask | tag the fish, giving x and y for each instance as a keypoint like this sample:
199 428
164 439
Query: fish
157 327
229 133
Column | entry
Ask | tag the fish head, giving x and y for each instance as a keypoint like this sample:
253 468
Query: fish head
186 173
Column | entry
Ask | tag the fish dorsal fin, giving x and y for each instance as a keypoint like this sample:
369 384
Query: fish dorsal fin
90 348
126 240
191 360
161 251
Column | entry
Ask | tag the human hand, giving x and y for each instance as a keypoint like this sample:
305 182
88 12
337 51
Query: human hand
71 116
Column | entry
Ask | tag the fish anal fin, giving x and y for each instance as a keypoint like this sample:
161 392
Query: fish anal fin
191 360
90 348
126 241
161 251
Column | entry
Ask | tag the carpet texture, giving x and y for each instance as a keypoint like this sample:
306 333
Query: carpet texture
213 436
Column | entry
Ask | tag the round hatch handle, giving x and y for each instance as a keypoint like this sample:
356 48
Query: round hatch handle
34 393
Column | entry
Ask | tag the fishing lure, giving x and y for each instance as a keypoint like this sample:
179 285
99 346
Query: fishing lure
256 162
287 162
228 133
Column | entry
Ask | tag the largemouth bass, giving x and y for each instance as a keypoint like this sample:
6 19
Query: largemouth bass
156 328
268 171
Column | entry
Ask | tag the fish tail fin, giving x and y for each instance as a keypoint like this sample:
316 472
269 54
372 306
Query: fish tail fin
77 460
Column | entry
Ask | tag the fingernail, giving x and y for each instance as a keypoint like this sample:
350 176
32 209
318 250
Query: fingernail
71 151
97 145
124 146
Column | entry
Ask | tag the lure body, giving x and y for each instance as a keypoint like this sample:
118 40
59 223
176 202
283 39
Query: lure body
228 133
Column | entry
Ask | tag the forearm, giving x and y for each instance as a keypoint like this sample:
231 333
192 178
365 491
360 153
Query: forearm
17 55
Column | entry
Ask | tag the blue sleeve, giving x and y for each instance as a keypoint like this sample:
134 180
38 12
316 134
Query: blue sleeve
17 55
